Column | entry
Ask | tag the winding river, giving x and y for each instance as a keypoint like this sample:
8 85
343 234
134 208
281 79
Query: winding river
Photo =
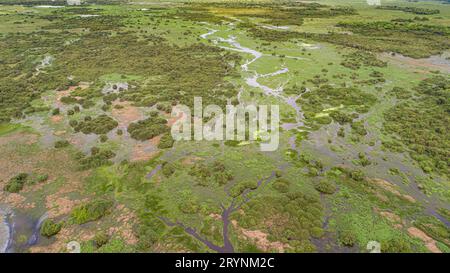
253 77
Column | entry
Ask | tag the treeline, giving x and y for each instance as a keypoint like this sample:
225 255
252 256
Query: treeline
410 39
415 10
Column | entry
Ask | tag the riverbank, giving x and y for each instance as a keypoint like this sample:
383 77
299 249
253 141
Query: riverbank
5 229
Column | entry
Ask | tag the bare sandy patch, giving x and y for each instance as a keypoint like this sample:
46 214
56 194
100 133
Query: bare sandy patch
391 217
56 164
260 239
64 93
124 228
391 188
60 205
56 118
127 114
430 243
145 150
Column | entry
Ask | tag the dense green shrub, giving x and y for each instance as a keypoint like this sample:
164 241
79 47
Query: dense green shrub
347 237
96 159
168 169
91 211
208 174
395 245
240 187
61 144
16 183
415 10
422 124
50 228
325 186
166 141
100 239
99 125
148 128
281 185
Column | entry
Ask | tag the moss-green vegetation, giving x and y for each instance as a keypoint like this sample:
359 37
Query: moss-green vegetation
422 123
90 211
50 228
91 80
98 125
415 10
325 186
16 183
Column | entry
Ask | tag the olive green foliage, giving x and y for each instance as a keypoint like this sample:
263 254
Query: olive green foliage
434 228
415 10
18 84
61 144
353 99
168 169
100 239
211 174
242 187
423 124
91 211
347 237
96 159
281 185
295 217
400 93
396 245
166 141
50 228
358 128
410 39
325 186
357 59
99 125
148 128
16 183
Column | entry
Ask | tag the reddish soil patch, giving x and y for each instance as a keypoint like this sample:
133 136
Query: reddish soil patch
145 150
124 227
127 114
19 156
391 217
430 243
260 239
64 93
56 119
391 188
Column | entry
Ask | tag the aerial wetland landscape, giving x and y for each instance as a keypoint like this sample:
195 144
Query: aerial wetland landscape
87 151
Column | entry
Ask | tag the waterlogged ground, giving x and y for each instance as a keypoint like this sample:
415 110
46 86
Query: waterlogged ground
344 174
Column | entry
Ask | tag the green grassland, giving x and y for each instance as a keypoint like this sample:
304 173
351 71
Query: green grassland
86 92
